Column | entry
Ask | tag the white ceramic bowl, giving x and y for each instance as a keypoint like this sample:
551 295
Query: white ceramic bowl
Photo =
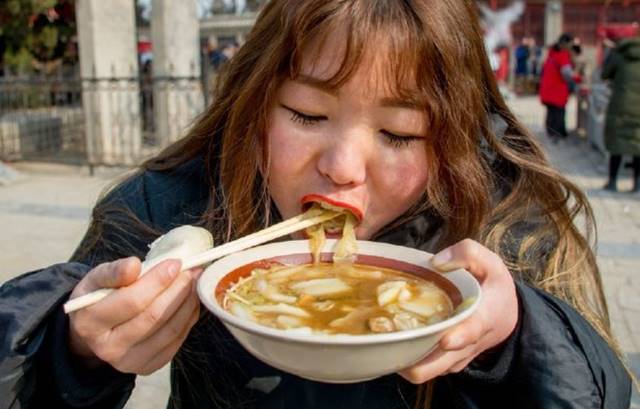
334 358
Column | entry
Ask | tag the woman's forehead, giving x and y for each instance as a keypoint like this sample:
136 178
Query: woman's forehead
325 58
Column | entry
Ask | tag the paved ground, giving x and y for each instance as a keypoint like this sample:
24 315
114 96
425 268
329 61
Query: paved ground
44 215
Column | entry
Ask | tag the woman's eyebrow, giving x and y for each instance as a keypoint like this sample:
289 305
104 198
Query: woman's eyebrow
387 102
316 83
394 102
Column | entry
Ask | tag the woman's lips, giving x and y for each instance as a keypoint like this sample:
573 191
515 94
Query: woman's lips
313 198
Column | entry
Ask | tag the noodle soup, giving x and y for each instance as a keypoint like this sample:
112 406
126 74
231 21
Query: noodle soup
341 297
330 355
336 298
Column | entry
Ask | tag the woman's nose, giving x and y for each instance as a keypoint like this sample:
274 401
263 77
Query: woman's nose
344 159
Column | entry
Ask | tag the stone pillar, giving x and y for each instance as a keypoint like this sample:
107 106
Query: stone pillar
177 90
553 24
109 69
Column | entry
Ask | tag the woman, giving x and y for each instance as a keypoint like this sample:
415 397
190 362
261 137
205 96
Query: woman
622 128
556 84
391 108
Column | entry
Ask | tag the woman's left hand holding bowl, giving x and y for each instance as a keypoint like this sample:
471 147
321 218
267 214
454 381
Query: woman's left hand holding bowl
492 323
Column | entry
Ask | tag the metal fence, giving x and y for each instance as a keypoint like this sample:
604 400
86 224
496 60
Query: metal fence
109 121
41 120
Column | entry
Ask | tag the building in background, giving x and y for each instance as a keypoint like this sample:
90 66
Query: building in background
590 21
544 20
42 91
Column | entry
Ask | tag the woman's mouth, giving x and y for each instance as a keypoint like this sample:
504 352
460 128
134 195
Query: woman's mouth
308 200
333 229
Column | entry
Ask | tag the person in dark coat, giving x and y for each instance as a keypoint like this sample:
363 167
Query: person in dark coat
408 128
622 126
557 82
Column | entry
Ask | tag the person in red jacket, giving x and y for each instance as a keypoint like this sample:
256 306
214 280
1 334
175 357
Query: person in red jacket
556 84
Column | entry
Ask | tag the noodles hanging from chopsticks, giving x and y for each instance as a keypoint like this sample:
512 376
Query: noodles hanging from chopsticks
346 248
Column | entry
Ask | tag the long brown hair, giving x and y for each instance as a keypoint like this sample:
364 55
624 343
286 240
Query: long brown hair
438 45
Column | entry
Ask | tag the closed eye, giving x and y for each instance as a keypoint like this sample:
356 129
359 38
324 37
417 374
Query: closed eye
399 141
302 118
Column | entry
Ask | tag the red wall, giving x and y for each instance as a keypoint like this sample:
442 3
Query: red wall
581 18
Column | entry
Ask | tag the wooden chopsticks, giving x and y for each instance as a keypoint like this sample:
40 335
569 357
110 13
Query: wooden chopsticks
302 221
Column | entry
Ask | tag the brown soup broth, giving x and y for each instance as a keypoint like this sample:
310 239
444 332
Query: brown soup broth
336 298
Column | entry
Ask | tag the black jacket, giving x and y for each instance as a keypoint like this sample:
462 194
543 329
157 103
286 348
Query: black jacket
554 359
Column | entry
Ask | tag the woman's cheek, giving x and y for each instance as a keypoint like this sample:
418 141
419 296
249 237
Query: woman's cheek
286 143
290 165
408 178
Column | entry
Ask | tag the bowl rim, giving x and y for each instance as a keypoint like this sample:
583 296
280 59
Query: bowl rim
210 278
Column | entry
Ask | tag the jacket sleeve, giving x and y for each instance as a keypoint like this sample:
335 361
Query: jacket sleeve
554 359
36 369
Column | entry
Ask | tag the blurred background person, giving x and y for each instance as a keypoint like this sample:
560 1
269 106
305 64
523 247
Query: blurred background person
622 127
556 84
222 54
535 66
578 60
536 58
522 56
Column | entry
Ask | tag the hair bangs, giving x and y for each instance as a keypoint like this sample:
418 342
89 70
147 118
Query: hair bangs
370 38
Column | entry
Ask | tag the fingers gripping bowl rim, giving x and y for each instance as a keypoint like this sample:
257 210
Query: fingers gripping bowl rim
335 358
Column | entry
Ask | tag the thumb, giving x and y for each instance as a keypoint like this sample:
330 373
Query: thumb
116 274
463 335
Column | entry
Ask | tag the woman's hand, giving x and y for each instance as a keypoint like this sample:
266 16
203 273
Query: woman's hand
491 324
139 327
